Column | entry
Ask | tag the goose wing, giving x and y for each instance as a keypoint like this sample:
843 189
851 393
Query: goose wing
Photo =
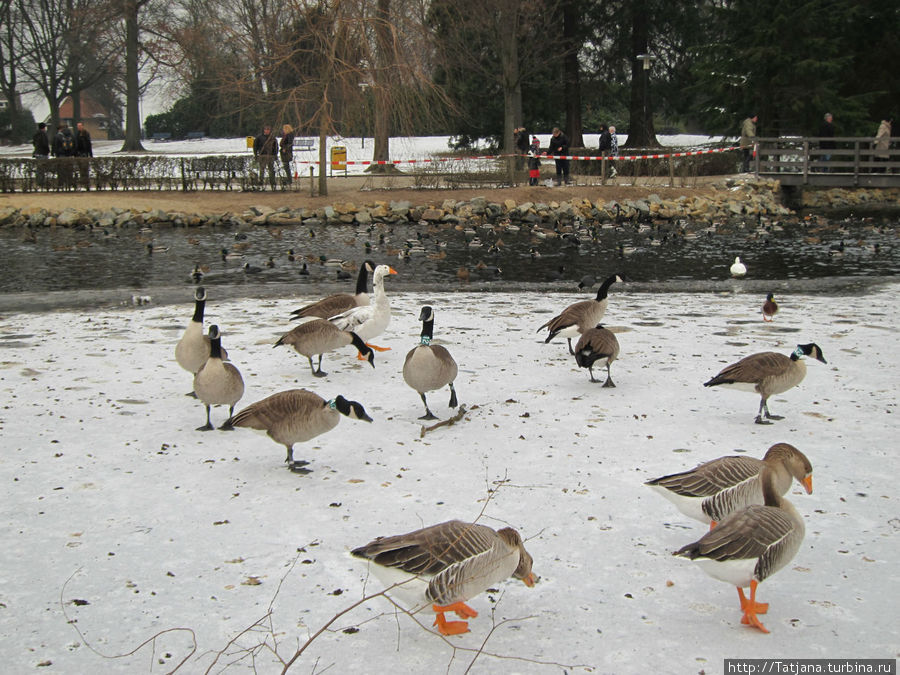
431 550
273 410
352 319
754 532
712 477
570 316
752 369
328 307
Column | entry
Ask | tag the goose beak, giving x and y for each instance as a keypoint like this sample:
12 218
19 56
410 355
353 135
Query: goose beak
530 580
392 270
807 484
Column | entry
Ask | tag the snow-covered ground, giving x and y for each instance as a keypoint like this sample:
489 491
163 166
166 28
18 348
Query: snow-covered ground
121 518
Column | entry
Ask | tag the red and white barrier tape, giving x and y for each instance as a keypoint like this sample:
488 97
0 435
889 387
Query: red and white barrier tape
434 160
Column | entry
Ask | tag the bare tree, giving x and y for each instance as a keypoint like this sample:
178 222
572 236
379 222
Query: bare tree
303 63
56 35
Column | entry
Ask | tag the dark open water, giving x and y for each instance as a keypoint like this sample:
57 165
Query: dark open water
72 268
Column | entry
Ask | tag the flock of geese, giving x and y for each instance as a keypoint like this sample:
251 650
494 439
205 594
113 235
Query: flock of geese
754 530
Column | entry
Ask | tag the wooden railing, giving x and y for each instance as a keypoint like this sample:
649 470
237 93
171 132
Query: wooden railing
845 161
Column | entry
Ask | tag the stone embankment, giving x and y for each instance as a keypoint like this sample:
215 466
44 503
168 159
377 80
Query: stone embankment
729 201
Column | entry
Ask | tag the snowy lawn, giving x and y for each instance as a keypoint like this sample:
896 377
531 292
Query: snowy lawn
121 517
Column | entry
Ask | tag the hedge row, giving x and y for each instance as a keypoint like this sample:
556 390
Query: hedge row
151 172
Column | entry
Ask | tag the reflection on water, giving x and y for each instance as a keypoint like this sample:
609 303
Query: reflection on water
77 262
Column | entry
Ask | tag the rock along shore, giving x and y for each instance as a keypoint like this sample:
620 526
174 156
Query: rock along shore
731 200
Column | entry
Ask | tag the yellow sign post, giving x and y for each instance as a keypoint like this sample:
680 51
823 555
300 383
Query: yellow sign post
338 158
250 140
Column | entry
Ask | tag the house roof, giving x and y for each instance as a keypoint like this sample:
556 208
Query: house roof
89 108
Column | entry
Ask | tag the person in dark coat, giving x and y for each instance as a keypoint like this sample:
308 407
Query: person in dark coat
265 147
520 137
605 140
534 164
826 131
41 144
286 151
83 150
559 145
64 150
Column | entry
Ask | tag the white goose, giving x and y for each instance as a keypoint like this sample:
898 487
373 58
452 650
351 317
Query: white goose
715 489
447 564
370 321
751 545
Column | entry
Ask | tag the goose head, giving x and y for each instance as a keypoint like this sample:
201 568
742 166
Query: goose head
382 271
797 464
351 409
523 569
427 313
200 294
813 350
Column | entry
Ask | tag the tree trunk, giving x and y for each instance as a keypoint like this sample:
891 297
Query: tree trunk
509 64
641 133
383 85
323 156
571 75
132 85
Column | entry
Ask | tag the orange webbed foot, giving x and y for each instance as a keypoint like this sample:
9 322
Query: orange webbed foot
379 349
751 608
463 611
449 627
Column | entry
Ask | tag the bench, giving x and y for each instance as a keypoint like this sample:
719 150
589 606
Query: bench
304 143
195 135
162 136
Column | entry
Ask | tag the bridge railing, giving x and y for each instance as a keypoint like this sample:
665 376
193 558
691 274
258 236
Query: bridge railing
842 161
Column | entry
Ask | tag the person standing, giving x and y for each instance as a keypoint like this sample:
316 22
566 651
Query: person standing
604 147
826 131
41 144
883 142
520 140
83 150
286 151
534 163
748 140
264 149
613 150
559 146
64 150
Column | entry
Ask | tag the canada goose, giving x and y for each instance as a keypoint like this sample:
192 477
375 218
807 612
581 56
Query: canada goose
370 321
340 302
597 344
192 349
738 269
767 373
304 270
769 308
296 416
717 488
317 336
429 367
446 565
750 545
343 275
578 317
218 382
